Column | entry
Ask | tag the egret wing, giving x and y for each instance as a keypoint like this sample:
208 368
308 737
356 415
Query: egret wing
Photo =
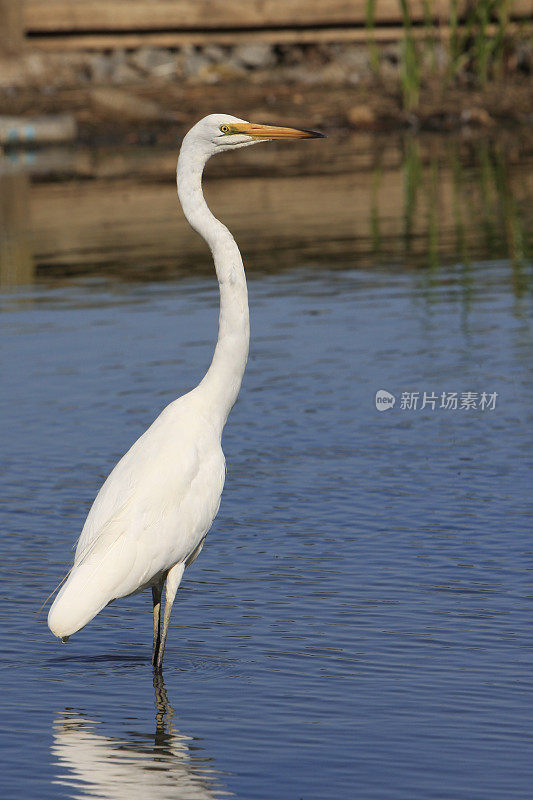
151 463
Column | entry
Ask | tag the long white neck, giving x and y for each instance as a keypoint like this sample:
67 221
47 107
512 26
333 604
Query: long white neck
222 381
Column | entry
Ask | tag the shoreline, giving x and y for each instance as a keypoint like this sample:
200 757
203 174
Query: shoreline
149 94
160 112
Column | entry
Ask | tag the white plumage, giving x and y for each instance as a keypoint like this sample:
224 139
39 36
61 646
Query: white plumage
150 518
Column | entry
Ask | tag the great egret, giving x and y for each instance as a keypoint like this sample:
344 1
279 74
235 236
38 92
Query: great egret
150 518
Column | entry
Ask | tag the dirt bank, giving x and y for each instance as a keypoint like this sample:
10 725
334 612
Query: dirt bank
152 94
159 111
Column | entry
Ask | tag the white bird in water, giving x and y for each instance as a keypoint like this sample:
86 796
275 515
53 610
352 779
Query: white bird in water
150 518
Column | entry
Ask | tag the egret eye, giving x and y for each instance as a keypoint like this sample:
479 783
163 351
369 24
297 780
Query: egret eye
224 128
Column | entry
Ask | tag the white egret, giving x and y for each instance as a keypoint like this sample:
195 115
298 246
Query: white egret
150 518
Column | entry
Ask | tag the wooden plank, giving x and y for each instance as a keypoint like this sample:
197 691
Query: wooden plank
11 27
163 15
175 39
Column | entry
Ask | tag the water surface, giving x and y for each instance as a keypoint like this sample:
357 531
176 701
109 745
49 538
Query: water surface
359 622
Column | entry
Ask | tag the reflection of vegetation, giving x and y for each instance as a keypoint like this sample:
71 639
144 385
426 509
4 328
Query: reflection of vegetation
487 193
432 214
458 195
375 226
477 41
412 180
458 202
514 227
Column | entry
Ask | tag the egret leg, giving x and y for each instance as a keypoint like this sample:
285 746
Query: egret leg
173 581
157 590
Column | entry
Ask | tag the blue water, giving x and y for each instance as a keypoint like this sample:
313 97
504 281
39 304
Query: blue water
359 622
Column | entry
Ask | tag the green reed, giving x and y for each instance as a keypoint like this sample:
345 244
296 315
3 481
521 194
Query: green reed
476 46
473 46
411 68
370 25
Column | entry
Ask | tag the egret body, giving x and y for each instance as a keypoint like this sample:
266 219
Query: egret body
150 518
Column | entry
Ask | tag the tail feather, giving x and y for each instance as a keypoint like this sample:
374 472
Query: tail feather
95 579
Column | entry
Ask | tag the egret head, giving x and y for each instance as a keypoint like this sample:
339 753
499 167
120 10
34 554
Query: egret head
219 132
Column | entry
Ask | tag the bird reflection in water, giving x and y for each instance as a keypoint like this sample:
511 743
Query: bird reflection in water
140 766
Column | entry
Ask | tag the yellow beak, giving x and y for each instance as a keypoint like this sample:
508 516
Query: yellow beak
273 131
